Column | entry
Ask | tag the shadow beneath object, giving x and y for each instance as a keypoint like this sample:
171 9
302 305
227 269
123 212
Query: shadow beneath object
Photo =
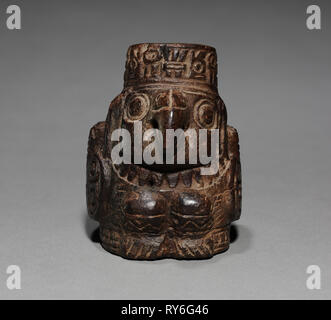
240 239
91 228
233 233
95 236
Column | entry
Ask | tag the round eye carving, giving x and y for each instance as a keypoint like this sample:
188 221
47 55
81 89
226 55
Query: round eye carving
198 67
152 55
137 107
205 114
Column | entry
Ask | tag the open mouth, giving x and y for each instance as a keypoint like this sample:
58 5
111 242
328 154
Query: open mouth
165 177
169 168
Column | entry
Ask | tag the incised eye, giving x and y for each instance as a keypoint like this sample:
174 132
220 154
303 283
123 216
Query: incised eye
137 107
205 113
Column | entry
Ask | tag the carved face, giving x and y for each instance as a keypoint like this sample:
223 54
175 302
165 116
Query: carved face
172 108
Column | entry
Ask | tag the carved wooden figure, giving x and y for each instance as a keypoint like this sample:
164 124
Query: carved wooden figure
165 211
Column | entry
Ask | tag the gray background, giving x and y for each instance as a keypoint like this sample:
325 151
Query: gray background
57 77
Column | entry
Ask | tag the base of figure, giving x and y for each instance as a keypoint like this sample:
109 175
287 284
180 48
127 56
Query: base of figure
169 245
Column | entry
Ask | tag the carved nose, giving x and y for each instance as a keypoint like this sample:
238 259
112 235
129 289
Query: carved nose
170 118
170 112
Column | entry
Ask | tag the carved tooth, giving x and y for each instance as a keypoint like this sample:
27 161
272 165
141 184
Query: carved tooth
187 178
209 180
164 182
172 179
156 179
132 173
198 177
143 177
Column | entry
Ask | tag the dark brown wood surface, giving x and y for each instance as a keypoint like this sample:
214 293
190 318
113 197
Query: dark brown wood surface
165 211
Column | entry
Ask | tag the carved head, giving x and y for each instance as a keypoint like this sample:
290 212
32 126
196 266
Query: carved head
171 86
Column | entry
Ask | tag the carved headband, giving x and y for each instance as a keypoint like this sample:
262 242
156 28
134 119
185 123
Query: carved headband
186 64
